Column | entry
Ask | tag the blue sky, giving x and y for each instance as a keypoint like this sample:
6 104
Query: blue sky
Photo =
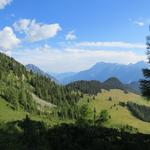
72 35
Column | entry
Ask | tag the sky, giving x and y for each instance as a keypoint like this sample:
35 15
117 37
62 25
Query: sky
72 35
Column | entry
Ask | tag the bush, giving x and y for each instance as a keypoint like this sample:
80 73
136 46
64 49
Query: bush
126 92
122 104
110 98
88 100
104 116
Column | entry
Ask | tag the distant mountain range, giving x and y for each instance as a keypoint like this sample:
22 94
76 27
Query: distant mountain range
102 71
61 76
35 69
122 76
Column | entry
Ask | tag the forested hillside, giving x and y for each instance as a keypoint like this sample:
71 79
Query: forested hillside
87 87
93 87
17 85
14 86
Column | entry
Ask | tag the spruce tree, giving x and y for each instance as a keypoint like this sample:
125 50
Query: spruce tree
145 84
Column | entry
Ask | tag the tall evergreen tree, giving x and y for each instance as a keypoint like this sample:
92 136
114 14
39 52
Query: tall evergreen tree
145 84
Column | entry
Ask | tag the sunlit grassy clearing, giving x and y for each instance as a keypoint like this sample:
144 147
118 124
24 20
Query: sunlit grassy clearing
119 115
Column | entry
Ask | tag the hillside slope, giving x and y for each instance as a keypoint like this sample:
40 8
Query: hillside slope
17 86
120 116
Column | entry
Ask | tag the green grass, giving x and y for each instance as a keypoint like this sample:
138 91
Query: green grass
7 114
119 115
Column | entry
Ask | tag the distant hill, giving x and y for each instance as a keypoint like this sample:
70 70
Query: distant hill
87 87
35 69
102 71
113 83
94 87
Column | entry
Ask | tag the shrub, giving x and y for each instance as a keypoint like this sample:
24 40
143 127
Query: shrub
128 128
110 98
122 104
126 92
104 116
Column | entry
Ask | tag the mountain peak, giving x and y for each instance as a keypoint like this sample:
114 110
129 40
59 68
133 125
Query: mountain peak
141 63
102 71
106 63
35 69
112 80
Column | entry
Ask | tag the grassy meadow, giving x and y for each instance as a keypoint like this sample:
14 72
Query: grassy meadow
120 116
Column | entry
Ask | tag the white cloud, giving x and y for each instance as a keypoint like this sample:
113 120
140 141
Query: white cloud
111 44
71 36
8 39
69 59
22 25
36 31
139 23
4 3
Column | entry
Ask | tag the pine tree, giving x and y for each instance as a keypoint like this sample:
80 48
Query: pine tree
94 111
145 84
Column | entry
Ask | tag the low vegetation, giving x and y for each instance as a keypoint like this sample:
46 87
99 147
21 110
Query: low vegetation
35 135
103 117
140 111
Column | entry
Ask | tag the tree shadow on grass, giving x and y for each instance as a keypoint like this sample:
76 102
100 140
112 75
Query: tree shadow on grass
33 135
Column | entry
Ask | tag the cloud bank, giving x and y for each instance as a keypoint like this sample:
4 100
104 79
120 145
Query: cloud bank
72 59
111 44
35 31
8 39
4 3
